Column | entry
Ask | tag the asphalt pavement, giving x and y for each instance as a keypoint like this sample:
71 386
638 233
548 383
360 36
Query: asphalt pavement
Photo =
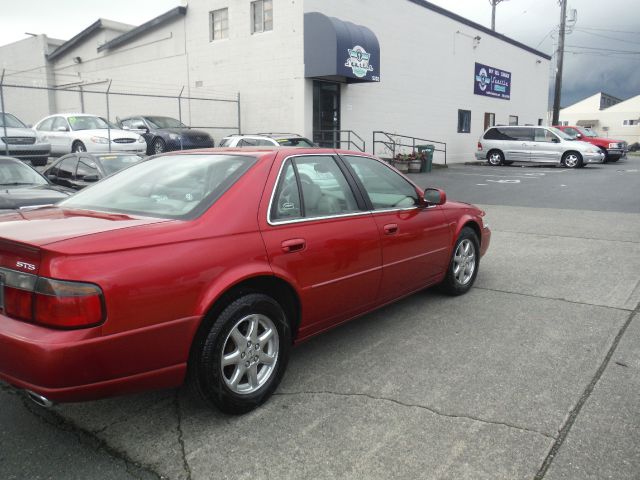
534 374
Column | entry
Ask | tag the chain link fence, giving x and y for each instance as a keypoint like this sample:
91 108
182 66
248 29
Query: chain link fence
30 99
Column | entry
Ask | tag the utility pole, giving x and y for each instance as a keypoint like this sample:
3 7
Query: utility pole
494 3
558 88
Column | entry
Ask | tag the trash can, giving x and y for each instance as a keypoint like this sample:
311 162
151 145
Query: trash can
428 153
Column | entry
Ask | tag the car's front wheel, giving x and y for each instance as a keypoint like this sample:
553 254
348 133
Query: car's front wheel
242 358
159 146
464 263
78 147
572 160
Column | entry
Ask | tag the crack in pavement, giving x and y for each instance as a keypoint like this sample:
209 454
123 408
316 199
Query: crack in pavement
553 235
55 419
185 463
422 407
628 310
575 411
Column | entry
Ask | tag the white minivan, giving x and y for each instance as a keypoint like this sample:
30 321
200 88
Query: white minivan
503 145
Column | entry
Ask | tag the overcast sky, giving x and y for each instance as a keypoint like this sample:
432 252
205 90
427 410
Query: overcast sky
597 58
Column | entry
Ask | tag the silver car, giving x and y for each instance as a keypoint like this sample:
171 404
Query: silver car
19 141
503 145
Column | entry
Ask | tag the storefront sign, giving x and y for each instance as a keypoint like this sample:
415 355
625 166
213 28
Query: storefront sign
358 61
492 82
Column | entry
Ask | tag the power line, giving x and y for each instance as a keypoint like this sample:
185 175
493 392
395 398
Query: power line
604 49
605 36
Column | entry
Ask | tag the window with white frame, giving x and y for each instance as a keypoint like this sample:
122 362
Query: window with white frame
219 20
630 122
261 16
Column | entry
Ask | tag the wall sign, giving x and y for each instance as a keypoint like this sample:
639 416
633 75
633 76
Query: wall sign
358 61
492 82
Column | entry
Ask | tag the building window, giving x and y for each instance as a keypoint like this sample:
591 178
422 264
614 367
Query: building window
464 121
513 120
489 120
219 24
261 16
630 122
540 121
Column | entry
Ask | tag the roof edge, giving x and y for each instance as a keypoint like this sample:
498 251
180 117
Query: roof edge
477 26
145 27
97 25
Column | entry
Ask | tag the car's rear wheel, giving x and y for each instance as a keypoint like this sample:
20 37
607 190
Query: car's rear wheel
495 158
78 146
159 146
572 160
240 361
464 263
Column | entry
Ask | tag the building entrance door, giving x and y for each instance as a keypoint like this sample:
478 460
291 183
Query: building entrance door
326 114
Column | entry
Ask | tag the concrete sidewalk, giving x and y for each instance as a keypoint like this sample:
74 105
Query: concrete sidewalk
533 374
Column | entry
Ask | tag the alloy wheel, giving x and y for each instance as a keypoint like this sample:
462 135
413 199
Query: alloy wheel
250 354
464 262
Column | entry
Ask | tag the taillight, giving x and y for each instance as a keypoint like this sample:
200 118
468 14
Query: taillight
67 304
479 146
53 303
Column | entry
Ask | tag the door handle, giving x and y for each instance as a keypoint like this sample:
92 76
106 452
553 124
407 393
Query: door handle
391 229
293 245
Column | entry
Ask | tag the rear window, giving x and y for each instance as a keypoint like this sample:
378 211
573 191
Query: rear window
173 186
294 142
113 163
509 133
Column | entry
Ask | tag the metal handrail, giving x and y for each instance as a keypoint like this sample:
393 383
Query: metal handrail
351 143
395 142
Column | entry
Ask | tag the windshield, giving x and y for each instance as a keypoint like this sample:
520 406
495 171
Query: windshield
17 174
113 163
86 122
172 186
9 121
561 134
165 122
295 142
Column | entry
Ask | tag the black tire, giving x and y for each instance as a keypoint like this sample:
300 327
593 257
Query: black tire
606 155
452 284
613 160
572 160
158 146
213 381
495 158
78 146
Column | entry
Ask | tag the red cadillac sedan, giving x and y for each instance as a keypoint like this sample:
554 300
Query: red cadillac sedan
210 265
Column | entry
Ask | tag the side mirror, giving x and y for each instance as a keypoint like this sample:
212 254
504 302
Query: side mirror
62 129
90 178
578 136
51 176
555 140
434 196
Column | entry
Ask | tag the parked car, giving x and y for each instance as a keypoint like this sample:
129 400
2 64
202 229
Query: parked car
613 149
20 141
78 170
164 134
266 140
501 145
22 186
215 263
79 132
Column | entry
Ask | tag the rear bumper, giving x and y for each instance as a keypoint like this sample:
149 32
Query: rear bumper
79 365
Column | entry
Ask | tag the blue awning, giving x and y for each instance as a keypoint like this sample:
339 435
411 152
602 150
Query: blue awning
339 51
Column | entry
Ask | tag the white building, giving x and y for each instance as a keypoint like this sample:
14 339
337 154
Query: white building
403 67
610 117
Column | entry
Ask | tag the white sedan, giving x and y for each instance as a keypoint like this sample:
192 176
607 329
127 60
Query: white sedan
79 132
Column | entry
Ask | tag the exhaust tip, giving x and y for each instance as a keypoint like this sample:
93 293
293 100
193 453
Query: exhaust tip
39 399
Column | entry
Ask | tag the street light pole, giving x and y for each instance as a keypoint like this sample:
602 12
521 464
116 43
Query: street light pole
494 3
558 86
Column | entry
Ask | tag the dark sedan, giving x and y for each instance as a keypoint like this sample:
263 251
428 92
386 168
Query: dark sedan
22 186
78 170
165 134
